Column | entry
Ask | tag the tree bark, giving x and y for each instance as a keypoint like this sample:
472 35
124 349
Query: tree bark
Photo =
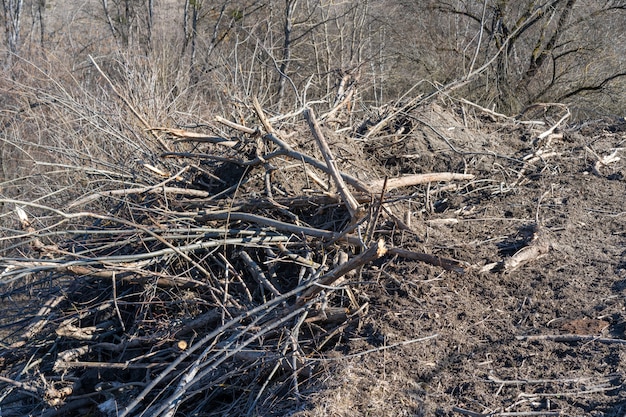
290 6
12 11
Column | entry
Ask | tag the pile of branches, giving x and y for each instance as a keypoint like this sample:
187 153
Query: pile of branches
216 290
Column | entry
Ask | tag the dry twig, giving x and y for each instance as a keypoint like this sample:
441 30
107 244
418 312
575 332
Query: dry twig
374 252
355 210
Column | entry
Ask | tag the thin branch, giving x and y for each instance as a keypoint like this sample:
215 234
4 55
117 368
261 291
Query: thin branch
129 105
374 252
571 338
351 203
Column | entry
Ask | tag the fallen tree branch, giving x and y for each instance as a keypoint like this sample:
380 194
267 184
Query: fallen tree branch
416 179
351 203
205 364
571 338
41 319
236 126
262 309
152 190
378 349
257 273
277 224
445 263
538 246
557 124
157 188
187 136
113 259
287 150
374 252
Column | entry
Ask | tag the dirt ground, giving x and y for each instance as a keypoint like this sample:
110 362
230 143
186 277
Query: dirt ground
493 337
546 338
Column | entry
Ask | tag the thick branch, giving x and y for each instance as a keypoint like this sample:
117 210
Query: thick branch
348 198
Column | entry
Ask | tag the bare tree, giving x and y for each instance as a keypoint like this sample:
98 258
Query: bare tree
547 47
190 28
150 20
12 15
38 19
290 6
130 21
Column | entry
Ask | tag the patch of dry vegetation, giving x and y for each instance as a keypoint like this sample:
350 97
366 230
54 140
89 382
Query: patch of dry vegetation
220 212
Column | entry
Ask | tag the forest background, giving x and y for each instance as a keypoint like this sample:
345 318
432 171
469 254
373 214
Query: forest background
181 61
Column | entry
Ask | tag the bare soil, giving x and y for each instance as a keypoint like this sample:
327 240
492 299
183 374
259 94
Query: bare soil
500 345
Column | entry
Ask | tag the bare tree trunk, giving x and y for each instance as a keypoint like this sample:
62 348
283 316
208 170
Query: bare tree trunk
290 6
185 27
107 14
41 7
128 21
215 37
150 22
12 14
542 52
195 9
